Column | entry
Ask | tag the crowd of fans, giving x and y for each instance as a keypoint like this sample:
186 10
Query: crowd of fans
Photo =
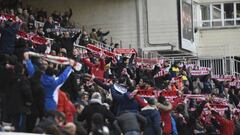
102 98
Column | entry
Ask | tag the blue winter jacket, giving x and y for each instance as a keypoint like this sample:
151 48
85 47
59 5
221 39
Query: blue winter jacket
50 85
153 121
174 126
124 101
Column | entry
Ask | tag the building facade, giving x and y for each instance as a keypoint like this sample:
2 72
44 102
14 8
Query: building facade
153 25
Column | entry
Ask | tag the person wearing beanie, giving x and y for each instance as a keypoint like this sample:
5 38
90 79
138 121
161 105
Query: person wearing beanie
96 98
95 106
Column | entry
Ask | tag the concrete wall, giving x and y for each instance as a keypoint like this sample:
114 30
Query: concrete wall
118 16
219 42
162 21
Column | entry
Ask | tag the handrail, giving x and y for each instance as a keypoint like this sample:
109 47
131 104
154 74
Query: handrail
101 45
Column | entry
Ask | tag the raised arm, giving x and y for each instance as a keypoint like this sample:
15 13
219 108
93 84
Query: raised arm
29 65
88 63
106 33
74 38
64 75
101 84
102 64
140 101
165 107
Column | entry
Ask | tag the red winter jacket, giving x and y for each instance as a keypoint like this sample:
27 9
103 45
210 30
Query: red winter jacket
96 69
65 106
227 126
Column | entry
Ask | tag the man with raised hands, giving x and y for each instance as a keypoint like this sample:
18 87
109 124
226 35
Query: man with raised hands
50 82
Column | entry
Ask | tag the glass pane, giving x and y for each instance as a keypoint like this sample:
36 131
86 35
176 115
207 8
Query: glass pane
205 10
238 10
228 23
238 22
216 11
228 11
206 24
217 23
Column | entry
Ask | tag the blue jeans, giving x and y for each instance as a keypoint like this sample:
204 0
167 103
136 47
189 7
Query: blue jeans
132 133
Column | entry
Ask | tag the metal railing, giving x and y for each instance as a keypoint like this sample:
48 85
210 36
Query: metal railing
221 65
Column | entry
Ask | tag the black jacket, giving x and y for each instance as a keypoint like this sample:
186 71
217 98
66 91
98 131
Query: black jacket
37 107
67 43
19 96
93 108
8 38
129 121
49 26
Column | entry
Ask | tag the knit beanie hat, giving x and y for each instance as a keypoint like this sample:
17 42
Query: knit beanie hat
96 98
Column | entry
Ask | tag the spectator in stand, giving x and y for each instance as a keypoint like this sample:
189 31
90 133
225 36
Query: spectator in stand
65 106
51 123
8 36
207 85
124 100
56 16
25 15
97 68
20 93
12 12
165 110
48 27
84 99
98 126
67 42
20 13
237 123
65 19
41 14
37 107
93 35
76 55
101 34
70 128
197 86
31 24
95 106
174 70
84 40
40 32
226 122
150 112
130 123
50 83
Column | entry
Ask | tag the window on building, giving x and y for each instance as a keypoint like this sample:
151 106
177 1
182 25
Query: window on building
220 14
216 15
238 13
205 14
228 14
